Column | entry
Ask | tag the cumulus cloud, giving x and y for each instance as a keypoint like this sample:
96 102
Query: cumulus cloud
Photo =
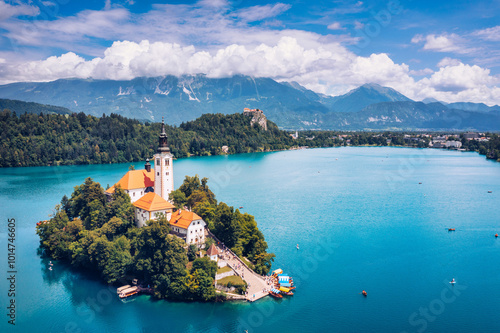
326 68
421 72
447 61
207 37
444 43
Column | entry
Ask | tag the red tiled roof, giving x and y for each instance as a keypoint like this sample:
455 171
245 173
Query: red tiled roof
212 251
135 179
183 218
153 202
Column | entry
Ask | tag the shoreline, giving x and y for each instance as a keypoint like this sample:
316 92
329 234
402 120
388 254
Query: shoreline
259 152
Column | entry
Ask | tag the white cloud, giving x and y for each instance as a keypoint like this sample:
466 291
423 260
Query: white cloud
447 61
358 25
489 34
444 43
259 13
208 38
417 39
326 68
421 72
7 11
335 26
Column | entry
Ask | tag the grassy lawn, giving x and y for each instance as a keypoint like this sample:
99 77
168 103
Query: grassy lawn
235 281
224 269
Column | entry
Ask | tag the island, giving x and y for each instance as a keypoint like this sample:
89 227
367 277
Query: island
173 244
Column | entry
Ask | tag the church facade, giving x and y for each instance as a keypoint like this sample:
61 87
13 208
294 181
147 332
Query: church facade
149 191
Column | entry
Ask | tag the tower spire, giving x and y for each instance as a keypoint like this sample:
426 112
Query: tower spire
162 139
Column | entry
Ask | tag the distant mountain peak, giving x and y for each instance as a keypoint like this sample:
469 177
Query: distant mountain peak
367 94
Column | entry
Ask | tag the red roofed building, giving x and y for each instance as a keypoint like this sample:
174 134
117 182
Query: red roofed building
189 226
136 183
150 206
212 252
149 189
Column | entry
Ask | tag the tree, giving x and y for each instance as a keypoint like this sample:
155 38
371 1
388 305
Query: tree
226 228
209 266
178 197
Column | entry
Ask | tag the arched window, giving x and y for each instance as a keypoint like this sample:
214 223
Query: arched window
167 162
157 161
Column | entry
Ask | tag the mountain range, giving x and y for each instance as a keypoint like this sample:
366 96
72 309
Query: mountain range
288 104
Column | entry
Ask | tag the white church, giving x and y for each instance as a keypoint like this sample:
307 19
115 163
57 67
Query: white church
149 190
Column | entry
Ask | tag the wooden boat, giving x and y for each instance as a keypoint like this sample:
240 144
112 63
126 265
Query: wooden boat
129 292
451 229
496 235
490 191
119 290
364 293
275 294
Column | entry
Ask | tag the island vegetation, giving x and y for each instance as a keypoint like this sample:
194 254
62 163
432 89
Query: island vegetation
31 139
93 233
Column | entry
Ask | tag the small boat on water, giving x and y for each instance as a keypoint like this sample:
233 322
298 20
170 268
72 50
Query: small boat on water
241 207
286 291
452 281
364 293
451 229
490 191
129 292
496 235
297 246
122 288
275 293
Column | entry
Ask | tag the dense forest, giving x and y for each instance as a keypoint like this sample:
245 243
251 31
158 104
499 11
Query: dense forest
99 235
49 139
31 107
53 139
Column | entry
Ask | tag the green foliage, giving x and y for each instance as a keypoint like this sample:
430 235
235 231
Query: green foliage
237 231
209 266
96 234
105 240
32 139
191 253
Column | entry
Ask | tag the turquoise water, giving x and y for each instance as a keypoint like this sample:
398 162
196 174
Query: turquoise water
362 221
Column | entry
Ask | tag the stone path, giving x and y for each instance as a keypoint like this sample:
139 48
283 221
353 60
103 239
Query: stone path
257 285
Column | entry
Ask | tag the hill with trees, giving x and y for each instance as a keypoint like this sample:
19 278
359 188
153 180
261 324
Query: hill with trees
95 234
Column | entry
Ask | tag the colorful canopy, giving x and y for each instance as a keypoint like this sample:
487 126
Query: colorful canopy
283 278
276 291
285 290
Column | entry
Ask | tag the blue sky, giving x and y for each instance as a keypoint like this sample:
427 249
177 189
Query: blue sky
448 50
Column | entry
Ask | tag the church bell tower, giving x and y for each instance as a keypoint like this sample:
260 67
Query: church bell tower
164 171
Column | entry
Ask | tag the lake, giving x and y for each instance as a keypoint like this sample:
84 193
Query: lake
365 218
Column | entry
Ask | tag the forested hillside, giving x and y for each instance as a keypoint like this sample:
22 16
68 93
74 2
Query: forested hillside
49 139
